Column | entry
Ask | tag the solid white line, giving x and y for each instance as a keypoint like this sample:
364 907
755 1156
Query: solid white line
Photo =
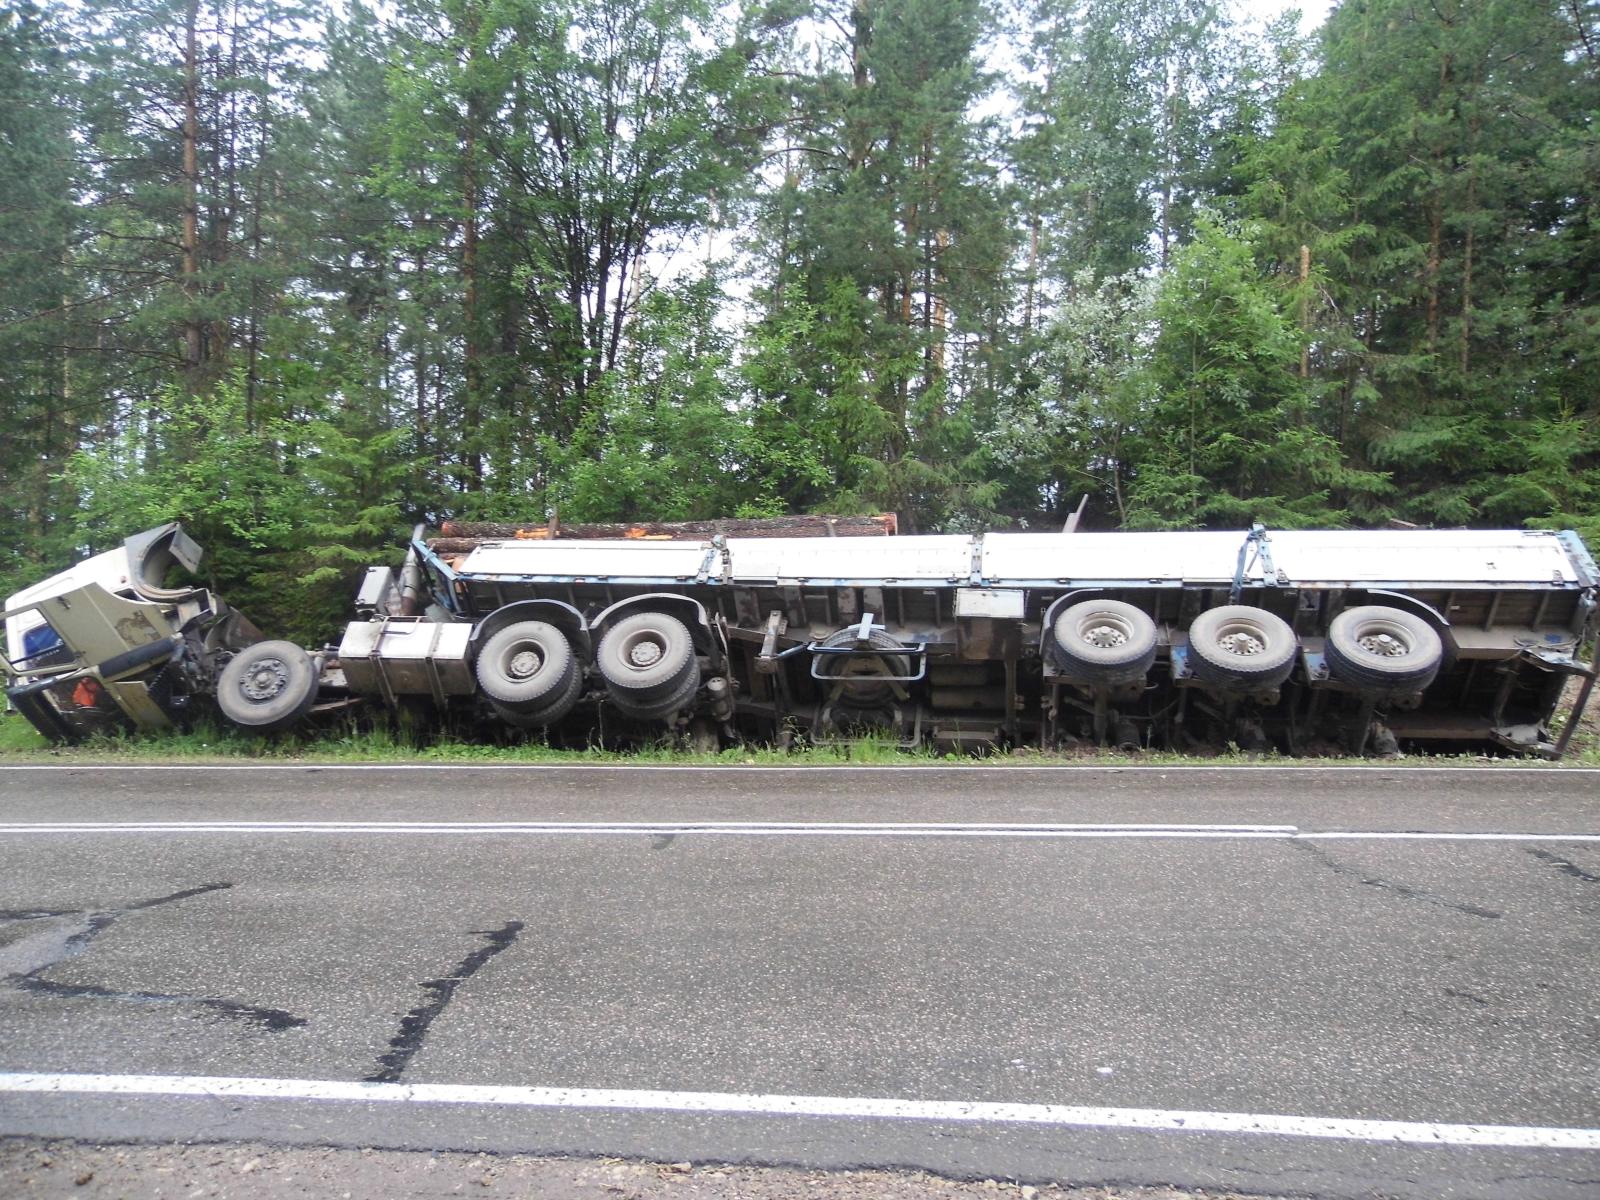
775 829
1420 835
803 768
1426 1133
657 828
663 826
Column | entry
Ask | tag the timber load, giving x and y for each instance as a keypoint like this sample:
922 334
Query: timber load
462 537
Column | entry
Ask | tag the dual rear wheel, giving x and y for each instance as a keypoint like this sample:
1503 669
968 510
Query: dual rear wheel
529 673
531 676
648 662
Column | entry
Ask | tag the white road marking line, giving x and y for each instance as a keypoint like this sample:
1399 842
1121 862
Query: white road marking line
662 826
1424 1133
657 828
775 829
803 768
1417 835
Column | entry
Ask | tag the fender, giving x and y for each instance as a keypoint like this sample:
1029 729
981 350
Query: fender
553 612
1419 608
1048 624
707 638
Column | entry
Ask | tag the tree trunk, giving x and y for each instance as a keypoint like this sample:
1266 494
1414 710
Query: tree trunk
1168 168
226 208
1305 311
420 364
1436 224
472 414
1033 274
193 329
1435 255
1467 251
941 313
258 184
858 135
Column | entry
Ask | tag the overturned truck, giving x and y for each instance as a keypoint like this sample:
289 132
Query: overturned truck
1309 642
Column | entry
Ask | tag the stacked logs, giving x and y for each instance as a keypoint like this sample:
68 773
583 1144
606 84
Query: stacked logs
462 537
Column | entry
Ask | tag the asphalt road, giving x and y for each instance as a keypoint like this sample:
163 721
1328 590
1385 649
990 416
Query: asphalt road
1356 982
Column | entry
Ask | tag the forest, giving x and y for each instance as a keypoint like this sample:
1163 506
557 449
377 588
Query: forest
304 275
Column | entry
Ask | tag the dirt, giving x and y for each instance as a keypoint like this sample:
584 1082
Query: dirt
241 1171
1586 738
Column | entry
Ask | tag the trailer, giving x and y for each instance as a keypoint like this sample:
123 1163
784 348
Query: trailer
822 629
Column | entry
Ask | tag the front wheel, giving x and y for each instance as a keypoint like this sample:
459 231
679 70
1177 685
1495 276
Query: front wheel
267 687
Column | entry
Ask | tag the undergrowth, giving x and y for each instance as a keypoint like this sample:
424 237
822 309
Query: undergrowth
349 742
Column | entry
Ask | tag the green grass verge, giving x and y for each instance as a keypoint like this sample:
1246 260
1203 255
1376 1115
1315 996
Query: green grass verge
20 743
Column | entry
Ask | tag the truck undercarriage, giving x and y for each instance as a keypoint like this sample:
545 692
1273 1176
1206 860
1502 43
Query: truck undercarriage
819 629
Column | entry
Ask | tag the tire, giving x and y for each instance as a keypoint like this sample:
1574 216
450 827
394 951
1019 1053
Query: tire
665 707
547 712
866 691
1238 646
646 657
267 687
1104 640
1380 648
526 666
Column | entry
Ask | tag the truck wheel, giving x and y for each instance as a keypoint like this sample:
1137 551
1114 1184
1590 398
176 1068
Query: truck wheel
1239 645
860 672
525 666
545 713
664 708
1104 640
646 657
1383 648
267 687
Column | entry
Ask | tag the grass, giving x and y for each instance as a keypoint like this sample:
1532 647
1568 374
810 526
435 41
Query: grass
20 743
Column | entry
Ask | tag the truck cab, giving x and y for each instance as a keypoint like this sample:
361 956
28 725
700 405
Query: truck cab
106 646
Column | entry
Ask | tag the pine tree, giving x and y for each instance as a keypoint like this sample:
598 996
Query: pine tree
43 400
1230 437
889 218
1462 128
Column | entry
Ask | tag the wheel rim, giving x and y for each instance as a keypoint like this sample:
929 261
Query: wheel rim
265 680
1241 640
643 650
1382 639
1105 631
525 662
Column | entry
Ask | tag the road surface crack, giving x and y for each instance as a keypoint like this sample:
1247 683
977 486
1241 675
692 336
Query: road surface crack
25 962
1388 885
414 1025
1565 867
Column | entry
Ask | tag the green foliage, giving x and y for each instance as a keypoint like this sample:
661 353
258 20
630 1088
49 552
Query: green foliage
303 287
662 443
1231 436
288 510
1457 127
888 235
39 414
1558 485
1074 432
